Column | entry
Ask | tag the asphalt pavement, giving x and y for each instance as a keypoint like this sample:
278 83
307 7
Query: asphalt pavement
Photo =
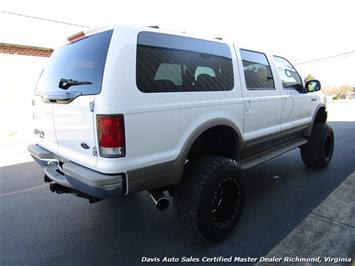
38 227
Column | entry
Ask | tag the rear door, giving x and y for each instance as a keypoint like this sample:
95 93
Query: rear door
262 102
69 84
43 124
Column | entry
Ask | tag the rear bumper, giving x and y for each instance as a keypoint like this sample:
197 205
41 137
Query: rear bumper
72 175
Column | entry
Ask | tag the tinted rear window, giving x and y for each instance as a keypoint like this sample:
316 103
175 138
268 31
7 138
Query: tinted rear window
83 60
168 63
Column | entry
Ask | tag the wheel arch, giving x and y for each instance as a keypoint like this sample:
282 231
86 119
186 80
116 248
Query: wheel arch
225 125
319 116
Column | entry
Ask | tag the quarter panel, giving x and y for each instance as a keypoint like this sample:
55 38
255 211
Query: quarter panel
156 124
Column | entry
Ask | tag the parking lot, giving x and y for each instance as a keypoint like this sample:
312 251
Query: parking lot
41 228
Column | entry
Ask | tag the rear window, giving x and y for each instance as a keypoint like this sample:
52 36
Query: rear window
83 60
168 63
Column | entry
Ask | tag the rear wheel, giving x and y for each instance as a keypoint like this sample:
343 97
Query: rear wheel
318 151
210 200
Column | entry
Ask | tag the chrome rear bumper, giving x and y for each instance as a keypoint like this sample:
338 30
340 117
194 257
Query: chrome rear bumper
72 175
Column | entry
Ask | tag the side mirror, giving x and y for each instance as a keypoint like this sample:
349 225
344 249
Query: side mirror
312 85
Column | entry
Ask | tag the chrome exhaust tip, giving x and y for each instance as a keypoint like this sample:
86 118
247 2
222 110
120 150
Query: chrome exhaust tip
161 202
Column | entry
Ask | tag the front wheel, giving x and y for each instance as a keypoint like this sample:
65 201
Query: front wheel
210 200
318 151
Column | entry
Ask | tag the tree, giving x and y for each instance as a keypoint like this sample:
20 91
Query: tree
308 77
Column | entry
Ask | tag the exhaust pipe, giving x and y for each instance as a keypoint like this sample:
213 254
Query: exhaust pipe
160 200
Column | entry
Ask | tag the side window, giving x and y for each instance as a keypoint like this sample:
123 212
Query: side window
289 76
257 71
168 63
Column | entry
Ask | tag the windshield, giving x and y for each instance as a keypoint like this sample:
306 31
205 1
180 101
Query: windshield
82 62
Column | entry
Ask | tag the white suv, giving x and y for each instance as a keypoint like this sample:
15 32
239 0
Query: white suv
126 109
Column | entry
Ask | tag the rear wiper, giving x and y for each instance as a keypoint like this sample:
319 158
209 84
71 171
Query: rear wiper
67 83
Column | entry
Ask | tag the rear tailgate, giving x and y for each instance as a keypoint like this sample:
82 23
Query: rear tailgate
74 128
69 84
43 124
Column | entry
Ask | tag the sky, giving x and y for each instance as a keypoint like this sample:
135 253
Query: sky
300 30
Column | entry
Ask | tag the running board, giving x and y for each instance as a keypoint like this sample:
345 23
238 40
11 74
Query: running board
270 154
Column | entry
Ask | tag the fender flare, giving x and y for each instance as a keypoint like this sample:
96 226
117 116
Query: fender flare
199 131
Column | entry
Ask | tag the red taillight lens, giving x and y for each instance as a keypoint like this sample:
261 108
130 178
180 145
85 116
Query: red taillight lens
110 130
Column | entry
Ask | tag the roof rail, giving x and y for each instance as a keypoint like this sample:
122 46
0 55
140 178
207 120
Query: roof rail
153 26
218 38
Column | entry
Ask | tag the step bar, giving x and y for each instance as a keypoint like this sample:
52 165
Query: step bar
270 154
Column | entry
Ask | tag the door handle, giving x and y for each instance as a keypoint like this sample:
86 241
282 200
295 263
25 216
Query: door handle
248 107
313 99
60 97
284 103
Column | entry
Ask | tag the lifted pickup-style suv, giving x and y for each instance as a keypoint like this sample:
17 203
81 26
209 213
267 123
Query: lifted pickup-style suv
126 109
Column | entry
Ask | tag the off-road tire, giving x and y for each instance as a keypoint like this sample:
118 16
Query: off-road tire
318 151
211 197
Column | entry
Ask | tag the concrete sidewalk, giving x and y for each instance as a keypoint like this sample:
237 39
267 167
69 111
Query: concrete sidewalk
327 232
13 148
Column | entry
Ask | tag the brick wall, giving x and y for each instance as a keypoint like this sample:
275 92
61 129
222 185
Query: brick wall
8 48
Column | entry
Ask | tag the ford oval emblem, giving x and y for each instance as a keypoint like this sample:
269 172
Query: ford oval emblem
84 146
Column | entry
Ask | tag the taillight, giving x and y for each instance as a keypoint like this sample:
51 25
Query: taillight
111 135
